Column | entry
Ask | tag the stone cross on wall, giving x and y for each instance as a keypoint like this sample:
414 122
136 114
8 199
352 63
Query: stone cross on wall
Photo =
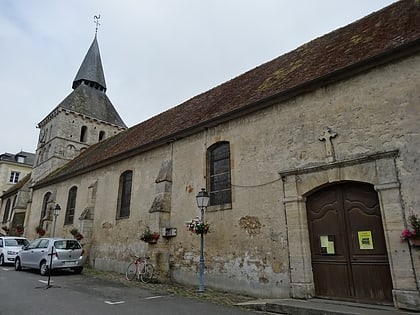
329 148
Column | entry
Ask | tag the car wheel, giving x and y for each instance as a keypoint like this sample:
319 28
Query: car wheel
1 260
18 266
43 269
78 270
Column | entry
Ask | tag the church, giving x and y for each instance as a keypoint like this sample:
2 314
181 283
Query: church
311 162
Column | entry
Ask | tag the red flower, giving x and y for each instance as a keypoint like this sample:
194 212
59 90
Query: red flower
406 234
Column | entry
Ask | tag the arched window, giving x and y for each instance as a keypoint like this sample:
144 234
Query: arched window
101 135
47 198
218 169
71 206
83 134
124 195
6 211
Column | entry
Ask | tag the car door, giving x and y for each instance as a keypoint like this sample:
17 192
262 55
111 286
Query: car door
40 252
26 255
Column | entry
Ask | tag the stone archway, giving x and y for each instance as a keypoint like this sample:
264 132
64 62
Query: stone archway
376 169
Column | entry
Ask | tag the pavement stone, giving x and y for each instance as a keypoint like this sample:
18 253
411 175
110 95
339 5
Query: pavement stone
210 295
272 306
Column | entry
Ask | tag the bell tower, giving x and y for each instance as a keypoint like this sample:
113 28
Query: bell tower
85 117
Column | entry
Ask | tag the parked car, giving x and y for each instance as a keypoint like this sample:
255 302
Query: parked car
9 247
66 253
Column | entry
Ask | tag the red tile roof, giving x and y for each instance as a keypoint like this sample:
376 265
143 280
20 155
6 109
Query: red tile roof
377 38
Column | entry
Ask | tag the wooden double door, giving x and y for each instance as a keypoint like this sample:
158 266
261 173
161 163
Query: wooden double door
349 256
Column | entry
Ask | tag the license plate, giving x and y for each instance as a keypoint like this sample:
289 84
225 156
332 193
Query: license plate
70 263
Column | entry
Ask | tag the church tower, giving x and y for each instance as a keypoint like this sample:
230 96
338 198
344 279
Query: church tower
85 117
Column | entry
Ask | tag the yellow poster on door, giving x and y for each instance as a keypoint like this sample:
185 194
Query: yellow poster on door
365 239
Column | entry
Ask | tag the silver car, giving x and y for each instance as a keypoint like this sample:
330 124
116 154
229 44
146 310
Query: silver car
9 247
47 254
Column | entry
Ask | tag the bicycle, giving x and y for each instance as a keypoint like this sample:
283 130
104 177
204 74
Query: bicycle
140 267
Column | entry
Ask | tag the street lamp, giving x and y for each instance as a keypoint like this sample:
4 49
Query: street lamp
56 212
203 199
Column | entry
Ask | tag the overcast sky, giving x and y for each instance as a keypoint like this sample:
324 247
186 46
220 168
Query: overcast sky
156 54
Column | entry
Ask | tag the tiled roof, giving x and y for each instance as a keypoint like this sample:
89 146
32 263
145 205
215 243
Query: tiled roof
91 67
29 158
358 46
93 103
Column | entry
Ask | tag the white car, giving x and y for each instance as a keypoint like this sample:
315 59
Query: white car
51 253
9 247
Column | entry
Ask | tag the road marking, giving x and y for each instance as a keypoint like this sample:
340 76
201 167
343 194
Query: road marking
113 303
154 297
6 269
44 281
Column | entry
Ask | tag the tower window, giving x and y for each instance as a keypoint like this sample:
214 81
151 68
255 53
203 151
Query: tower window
101 135
83 134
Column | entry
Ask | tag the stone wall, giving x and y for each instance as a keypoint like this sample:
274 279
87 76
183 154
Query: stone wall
259 245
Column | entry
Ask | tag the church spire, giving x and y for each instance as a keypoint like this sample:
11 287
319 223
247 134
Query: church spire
91 72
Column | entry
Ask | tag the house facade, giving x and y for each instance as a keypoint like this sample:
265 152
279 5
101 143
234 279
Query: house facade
311 161
14 167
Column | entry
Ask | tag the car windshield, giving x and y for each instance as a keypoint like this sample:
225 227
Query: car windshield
15 242
67 244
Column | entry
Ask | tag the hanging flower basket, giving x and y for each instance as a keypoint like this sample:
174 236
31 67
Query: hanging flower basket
197 226
40 231
149 236
412 234
19 229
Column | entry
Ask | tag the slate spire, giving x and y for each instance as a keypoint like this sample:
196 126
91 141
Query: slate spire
91 72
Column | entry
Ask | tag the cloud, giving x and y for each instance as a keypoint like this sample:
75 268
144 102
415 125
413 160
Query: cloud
156 54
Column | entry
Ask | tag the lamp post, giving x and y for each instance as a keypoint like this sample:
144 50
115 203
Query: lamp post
56 212
203 199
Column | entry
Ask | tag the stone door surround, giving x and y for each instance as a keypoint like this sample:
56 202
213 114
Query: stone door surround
378 169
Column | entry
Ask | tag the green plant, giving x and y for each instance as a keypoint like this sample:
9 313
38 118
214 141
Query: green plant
148 236
40 230
74 231
414 230
198 226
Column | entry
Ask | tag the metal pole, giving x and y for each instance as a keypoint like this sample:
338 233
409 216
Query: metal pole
201 284
55 220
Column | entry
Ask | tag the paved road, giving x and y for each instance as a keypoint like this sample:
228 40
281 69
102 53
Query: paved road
26 292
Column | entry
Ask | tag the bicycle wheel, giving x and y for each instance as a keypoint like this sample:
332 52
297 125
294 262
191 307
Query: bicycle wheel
147 273
131 272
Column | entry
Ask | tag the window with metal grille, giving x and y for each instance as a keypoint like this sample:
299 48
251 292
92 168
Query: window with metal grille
218 161
71 205
124 195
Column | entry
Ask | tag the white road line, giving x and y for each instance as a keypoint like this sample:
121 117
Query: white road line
6 269
154 297
114 303
45 281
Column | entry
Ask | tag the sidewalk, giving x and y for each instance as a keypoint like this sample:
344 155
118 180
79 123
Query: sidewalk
320 307
276 306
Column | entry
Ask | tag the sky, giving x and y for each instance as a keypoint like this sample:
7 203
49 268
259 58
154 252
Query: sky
156 54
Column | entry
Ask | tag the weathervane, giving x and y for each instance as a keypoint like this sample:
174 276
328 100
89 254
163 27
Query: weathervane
96 21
